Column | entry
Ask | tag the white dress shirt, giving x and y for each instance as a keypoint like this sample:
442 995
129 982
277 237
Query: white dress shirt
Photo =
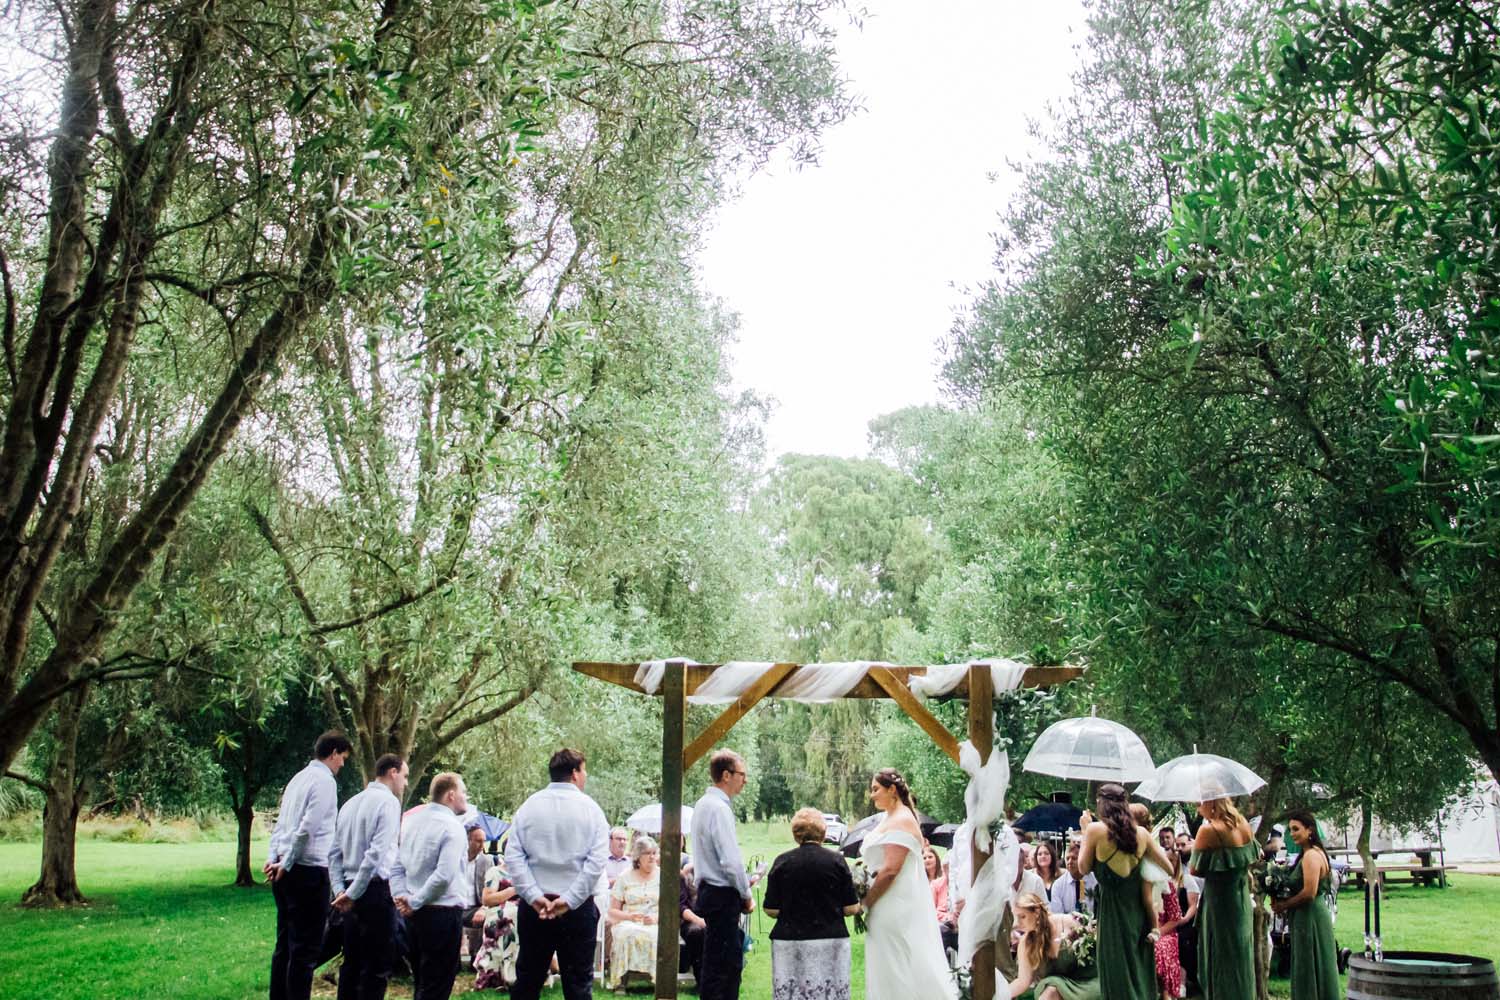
1068 896
430 866
364 845
304 825
558 842
716 851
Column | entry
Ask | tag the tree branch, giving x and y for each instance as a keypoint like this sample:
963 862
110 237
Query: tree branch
8 337
288 570
27 779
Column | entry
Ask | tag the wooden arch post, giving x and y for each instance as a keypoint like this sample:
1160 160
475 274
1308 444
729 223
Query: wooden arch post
680 679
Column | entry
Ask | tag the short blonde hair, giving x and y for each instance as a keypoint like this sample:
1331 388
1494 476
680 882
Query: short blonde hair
808 826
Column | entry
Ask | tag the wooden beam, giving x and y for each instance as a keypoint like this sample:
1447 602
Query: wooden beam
623 675
668 913
720 727
982 735
896 688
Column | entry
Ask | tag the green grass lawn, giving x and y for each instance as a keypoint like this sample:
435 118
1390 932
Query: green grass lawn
166 924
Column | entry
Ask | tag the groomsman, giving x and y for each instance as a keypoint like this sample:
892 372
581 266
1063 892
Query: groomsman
723 885
555 857
297 867
430 886
364 854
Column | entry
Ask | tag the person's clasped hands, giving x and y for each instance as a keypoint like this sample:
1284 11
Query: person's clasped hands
550 909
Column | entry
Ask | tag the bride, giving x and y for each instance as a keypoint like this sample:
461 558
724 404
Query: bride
904 957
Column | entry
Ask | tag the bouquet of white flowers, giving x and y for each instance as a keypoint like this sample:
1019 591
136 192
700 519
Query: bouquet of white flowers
862 880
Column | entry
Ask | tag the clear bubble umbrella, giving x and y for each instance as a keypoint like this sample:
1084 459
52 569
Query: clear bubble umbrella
1090 749
1199 777
647 819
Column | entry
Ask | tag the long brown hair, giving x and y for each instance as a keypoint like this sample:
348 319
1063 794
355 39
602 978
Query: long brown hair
1038 941
1114 812
1054 869
889 777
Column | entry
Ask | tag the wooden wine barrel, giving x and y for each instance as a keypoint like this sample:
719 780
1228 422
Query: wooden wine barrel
1422 975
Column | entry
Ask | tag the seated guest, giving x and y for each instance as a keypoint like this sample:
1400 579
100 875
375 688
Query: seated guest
619 854
693 928
938 879
476 868
1044 860
495 961
1073 891
633 915
809 891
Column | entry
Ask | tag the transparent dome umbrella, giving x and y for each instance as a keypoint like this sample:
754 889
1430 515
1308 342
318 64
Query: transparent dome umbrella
1090 749
647 819
1199 777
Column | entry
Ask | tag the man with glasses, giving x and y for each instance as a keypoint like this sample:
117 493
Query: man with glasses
723 884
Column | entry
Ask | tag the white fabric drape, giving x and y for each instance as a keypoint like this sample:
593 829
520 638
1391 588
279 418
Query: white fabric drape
990 891
812 683
649 674
940 680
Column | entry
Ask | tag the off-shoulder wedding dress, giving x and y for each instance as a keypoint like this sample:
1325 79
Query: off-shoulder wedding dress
904 957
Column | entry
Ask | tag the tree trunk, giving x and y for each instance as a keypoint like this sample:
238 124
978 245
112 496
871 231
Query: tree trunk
244 815
1366 859
1261 922
58 883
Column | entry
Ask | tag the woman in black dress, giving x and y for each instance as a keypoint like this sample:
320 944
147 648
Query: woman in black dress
809 891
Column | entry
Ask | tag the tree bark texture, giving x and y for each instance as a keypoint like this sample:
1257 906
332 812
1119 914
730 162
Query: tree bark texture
57 884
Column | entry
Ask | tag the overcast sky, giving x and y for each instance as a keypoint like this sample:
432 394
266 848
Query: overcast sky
847 274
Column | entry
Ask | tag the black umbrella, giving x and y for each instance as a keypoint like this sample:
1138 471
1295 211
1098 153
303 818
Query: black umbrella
943 836
856 835
1049 817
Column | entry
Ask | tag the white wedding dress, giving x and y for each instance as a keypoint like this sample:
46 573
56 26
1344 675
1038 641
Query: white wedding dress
904 957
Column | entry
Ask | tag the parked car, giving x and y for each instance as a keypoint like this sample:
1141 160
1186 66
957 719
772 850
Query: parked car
836 828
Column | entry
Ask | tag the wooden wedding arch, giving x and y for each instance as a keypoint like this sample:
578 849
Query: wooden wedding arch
681 679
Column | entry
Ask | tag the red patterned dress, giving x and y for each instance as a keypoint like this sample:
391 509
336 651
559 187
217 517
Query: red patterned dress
1168 964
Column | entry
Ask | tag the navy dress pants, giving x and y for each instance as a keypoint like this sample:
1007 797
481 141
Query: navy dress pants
301 896
723 947
369 944
570 937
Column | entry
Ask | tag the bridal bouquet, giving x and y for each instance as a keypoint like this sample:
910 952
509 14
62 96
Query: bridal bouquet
1276 881
862 880
1085 940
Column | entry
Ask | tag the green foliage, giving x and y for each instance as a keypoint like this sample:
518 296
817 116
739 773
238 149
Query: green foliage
1209 315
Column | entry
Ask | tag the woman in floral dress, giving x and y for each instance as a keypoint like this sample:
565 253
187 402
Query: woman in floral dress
632 915
1168 960
495 962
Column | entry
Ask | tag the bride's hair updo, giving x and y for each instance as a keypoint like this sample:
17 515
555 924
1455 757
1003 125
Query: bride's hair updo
1114 812
889 777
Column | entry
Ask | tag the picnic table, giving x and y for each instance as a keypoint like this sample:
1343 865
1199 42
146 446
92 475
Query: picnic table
1425 871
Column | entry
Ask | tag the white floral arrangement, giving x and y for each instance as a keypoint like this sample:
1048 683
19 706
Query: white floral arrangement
862 882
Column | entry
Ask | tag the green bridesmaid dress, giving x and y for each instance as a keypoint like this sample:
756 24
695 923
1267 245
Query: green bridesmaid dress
1127 958
1068 977
1315 960
1226 950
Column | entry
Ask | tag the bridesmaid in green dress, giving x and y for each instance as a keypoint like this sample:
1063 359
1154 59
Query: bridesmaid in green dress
1315 961
1044 959
1222 855
1113 848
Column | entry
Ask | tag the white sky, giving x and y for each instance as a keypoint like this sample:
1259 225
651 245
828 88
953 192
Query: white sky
845 275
